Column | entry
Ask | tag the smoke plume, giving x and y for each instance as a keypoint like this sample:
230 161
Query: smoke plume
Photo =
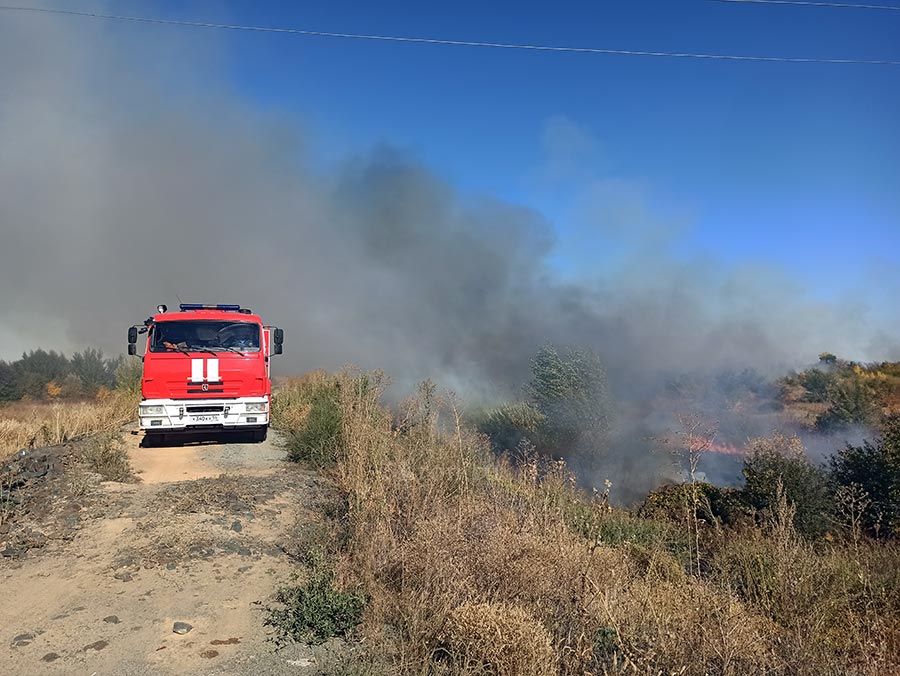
132 172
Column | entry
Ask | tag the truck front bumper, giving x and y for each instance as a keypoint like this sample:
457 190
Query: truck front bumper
172 415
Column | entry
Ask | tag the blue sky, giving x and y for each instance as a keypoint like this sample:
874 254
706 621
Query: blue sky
792 165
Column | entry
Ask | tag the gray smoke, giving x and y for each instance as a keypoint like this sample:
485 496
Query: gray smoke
130 172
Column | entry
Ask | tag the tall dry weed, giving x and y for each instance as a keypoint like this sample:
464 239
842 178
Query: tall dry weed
34 425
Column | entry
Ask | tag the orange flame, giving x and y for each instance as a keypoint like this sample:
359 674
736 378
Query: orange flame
725 449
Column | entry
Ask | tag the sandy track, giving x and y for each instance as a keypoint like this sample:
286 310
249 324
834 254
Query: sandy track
203 538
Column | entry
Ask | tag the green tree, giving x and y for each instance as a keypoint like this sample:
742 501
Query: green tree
71 387
828 358
853 402
570 391
9 385
818 385
128 375
37 368
92 370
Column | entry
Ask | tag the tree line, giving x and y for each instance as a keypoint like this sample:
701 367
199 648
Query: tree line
46 375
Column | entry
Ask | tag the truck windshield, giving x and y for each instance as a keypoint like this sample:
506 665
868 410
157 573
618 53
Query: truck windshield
204 336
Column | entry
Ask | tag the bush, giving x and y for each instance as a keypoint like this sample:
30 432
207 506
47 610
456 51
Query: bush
818 385
853 402
831 606
509 425
715 505
315 611
873 469
106 455
308 410
497 639
778 461
319 440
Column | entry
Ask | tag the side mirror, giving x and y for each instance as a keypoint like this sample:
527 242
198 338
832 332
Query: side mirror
132 336
132 349
278 337
277 349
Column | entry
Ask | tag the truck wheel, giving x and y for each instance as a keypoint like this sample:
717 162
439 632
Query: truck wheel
259 436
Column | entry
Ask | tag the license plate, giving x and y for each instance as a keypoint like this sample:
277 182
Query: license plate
204 418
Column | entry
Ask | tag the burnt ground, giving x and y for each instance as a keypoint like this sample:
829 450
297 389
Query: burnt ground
97 573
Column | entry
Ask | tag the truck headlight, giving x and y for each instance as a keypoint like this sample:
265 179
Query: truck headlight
152 409
255 408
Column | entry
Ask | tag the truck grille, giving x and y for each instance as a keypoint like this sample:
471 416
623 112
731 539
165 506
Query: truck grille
230 388
206 409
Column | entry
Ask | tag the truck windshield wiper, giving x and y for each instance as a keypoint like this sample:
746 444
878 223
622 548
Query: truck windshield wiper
202 348
179 347
231 348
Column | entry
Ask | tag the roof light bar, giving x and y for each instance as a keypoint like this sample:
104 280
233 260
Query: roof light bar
200 306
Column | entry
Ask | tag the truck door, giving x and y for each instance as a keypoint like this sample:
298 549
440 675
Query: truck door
266 351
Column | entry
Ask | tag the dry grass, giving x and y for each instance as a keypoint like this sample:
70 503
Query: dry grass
29 425
106 455
292 400
499 639
475 565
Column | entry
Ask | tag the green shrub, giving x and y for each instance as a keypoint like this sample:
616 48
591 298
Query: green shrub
508 425
618 528
818 385
319 438
714 504
853 402
874 469
807 487
315 611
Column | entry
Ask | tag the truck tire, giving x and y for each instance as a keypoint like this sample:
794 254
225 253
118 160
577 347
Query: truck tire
259 436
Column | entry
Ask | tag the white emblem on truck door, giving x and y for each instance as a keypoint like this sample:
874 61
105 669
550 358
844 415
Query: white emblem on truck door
211 368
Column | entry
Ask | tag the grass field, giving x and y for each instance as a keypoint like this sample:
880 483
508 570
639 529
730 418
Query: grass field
470 563
34 424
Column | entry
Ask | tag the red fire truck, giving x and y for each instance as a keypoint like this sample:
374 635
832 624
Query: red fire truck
206 368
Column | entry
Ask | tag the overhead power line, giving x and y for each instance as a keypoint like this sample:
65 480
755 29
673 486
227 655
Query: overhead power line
812 3
453 43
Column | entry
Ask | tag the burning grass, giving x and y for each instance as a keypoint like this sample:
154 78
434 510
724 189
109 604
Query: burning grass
454 547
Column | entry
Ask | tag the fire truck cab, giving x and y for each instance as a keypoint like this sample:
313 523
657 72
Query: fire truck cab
206 368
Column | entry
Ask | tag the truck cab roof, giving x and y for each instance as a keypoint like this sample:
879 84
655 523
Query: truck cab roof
207 314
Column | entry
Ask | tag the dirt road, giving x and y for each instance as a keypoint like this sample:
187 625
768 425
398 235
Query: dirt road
203 538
